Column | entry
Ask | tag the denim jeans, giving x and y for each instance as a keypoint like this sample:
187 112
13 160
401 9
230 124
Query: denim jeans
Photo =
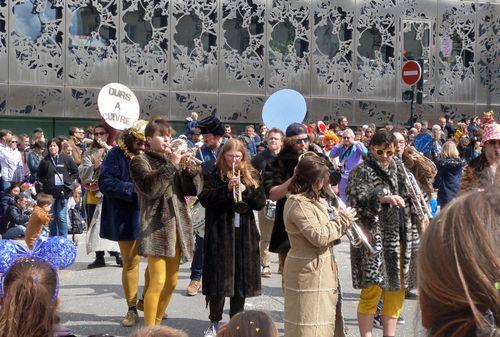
197 263
14 233
59 226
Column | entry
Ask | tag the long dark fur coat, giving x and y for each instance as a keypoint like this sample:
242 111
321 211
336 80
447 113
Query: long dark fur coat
230 256
390 228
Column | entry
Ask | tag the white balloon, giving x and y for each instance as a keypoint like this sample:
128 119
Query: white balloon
118 106
283 108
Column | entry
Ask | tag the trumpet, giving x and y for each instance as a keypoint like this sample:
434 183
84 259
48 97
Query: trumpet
417 198
239 205
356 235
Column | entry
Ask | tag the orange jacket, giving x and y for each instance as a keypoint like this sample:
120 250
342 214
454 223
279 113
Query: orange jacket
38 219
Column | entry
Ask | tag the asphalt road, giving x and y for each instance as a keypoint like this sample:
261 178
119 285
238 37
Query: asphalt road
92 301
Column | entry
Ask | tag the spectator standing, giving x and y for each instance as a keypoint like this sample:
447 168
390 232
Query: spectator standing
483 172
24 148
56 174
191 122
275 139
35 156
38 135
251 139
343 123
350 154
449 173
11 162
194 138
76 136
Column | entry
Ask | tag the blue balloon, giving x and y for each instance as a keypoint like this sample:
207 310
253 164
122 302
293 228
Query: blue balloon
423 143
283 108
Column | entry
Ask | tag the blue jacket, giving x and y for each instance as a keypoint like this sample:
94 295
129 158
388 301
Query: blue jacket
447 180
120 209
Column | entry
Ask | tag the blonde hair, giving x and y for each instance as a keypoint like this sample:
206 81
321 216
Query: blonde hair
159 331
450 150
251 323
458 265
249 176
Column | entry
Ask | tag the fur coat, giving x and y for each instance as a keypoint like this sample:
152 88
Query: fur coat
390 228
477 174
231 259
164 217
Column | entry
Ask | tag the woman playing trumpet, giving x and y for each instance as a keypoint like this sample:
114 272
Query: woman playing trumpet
311 283
231 266
166 234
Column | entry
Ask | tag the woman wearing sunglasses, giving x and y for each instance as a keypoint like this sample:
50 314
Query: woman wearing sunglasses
483 171
376 189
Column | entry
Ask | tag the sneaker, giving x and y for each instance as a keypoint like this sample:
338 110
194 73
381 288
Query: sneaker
212 330
193 288
377 321
266 272
131 319
140 305
401 320
98 263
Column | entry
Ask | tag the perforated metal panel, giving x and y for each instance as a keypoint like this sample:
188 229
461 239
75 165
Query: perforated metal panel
225 57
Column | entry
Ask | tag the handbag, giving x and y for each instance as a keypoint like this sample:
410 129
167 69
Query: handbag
270 209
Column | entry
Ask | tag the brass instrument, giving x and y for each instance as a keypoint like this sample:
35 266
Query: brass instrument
239 205
417 198
357 237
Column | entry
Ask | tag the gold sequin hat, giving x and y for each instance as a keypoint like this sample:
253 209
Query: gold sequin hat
137 130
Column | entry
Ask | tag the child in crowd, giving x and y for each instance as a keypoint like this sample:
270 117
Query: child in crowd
30 286
251 323
39 219
159 331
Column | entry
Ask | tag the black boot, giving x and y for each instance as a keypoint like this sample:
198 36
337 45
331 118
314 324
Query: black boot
117 258
98 262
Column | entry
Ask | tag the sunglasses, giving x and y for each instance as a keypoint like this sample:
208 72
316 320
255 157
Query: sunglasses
389 152
14 142
302 140
100 133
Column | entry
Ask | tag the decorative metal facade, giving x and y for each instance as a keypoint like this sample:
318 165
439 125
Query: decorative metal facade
224 57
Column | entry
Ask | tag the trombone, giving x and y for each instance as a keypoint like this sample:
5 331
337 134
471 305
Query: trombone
239 205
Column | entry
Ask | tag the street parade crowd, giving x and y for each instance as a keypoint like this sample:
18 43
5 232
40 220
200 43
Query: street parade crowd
420 206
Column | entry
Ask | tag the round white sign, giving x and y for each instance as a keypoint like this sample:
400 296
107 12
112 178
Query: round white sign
118 106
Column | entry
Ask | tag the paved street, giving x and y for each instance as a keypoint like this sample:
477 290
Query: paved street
92 300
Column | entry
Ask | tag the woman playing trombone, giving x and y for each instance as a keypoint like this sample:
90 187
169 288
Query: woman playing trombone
231 266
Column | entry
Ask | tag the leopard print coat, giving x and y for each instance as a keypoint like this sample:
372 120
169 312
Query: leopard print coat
389 228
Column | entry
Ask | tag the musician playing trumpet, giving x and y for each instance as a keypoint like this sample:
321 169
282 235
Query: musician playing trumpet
377 189
311 285
166 233
231 266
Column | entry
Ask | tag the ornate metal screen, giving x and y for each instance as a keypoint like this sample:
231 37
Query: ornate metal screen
224 57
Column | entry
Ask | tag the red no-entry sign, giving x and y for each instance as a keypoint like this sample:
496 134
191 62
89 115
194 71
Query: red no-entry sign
411 72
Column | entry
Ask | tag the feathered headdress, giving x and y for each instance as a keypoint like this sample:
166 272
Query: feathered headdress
57 251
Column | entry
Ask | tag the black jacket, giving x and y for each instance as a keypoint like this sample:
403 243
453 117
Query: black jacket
66 169
231 262
14 216
447 180
261 160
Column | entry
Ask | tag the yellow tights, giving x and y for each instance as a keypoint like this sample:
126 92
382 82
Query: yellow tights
130 271
163 273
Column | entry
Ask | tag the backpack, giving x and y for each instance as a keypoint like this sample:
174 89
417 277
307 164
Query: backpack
76 222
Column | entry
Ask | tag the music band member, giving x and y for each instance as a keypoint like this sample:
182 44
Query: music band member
483 172
89 172
311 287
377 190
231 265
166 234
212 131
120 211
274 139
277 177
